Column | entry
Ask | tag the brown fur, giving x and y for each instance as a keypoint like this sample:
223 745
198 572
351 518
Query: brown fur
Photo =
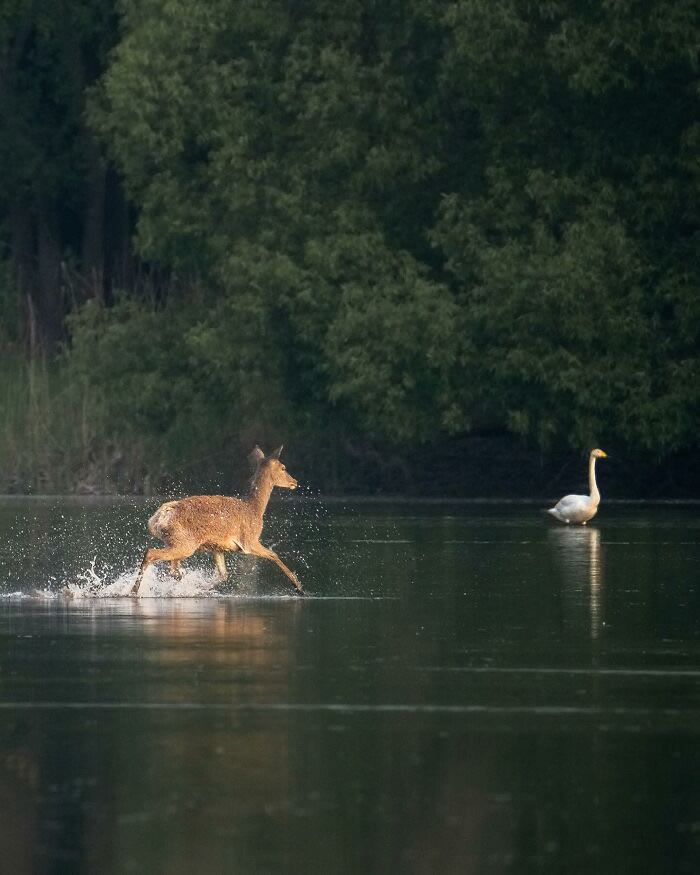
219 523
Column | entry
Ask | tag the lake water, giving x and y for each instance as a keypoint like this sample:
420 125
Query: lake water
468 689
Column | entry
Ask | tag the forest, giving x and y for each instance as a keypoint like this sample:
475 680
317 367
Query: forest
434 248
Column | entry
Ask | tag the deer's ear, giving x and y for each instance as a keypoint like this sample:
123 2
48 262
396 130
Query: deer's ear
277 452
255 457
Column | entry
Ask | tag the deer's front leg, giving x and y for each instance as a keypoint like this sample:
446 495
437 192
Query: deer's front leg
265 553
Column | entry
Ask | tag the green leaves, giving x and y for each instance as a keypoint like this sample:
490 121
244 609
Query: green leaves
422 218
392 347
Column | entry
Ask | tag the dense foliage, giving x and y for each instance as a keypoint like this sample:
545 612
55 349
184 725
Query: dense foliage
398 221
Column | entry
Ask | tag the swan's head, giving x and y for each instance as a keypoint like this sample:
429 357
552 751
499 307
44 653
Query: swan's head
599 454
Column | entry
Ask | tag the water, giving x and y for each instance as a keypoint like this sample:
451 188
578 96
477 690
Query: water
468 689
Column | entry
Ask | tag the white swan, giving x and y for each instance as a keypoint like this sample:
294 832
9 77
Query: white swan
580 508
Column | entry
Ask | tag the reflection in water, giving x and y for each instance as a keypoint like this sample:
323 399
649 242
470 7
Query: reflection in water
449 701
181 767
595 575
580 557
233 633
20 778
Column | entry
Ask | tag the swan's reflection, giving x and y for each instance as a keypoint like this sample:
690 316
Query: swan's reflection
580 557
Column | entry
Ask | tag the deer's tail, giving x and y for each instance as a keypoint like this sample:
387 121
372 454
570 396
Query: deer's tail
161 521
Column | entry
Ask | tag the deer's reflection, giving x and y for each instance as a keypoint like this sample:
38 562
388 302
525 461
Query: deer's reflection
579 556
173 715
235 632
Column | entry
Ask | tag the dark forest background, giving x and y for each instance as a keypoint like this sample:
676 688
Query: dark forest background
437 248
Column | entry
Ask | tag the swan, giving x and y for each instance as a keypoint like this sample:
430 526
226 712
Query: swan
580 508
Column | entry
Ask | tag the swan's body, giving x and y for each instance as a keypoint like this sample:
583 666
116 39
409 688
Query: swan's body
580 508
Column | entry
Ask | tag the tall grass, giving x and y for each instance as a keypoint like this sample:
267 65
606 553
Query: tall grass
53 433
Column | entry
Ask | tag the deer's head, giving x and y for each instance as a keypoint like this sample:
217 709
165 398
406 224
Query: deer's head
272 467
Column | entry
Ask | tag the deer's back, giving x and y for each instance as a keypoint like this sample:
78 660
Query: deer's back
207 520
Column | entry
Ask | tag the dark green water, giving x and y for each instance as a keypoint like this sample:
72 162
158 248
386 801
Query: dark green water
468 689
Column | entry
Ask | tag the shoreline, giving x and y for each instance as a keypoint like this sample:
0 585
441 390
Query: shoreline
348 499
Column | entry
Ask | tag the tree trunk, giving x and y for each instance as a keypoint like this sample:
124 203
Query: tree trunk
49 286
93 242
23 261
119 258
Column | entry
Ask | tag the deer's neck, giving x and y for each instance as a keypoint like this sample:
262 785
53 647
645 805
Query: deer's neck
259 495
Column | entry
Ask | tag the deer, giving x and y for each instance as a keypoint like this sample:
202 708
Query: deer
219 523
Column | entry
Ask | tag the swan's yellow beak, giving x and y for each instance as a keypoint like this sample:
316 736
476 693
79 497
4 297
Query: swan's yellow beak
602 454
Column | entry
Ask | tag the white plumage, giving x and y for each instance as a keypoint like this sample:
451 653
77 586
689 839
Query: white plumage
580 508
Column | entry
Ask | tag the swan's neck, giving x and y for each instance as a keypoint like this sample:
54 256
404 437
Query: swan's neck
595 495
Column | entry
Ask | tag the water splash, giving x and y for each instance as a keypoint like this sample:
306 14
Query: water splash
88 584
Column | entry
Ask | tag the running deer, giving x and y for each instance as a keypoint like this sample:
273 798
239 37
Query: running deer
217 523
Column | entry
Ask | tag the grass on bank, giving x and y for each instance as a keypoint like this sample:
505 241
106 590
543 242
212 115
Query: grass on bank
53 435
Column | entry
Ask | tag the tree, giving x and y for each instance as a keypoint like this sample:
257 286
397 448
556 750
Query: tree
575 253
53 191
279 153
444 216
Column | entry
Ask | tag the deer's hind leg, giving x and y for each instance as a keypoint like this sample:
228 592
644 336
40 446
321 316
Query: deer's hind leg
220 564
172 554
